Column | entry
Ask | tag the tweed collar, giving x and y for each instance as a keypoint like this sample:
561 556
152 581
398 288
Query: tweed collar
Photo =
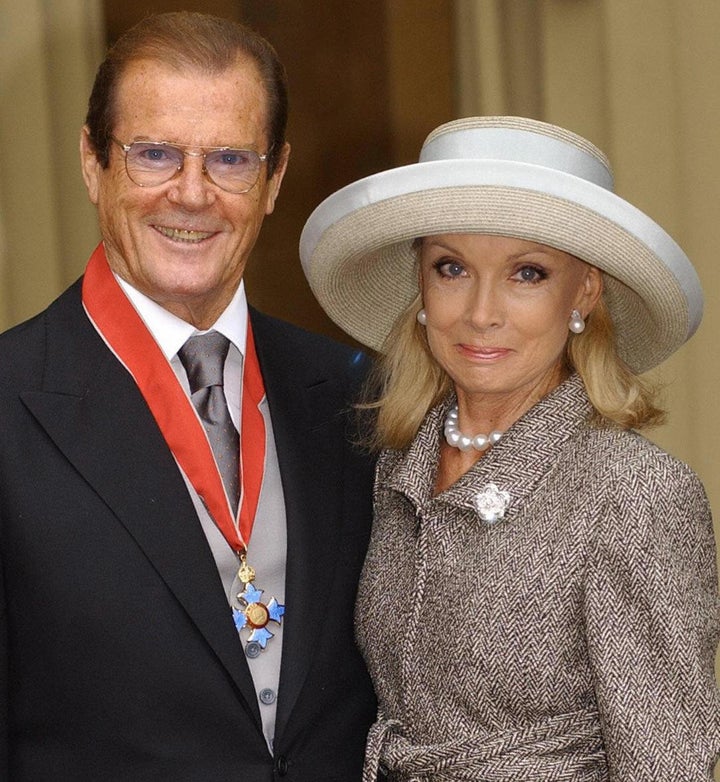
543 432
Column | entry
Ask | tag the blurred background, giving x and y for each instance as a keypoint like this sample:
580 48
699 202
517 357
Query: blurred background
368 81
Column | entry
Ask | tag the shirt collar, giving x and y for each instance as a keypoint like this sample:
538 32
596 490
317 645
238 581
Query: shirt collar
171 332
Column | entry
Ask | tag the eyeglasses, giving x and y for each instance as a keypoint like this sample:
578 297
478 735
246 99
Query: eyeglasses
152 163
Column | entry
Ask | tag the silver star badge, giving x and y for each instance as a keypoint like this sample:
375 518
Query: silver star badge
491 503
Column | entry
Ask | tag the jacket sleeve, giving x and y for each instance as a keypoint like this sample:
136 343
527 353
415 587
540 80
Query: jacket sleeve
652 623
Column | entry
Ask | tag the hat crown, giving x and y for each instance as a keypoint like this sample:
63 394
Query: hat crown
519 140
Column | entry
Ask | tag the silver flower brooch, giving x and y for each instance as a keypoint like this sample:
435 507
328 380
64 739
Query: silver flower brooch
491 503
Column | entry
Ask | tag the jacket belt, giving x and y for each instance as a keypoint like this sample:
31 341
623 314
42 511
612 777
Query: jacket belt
561 748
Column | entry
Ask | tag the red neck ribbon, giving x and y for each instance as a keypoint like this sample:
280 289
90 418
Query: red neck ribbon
127 336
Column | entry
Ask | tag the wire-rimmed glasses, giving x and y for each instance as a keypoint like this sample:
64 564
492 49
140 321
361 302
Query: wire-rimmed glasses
153 163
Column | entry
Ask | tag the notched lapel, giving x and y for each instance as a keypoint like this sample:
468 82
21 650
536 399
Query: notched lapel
94 413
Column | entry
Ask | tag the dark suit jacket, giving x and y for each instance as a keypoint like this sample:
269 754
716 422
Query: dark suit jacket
118 656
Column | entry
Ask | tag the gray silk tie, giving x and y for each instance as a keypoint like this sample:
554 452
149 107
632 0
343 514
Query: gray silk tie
203 357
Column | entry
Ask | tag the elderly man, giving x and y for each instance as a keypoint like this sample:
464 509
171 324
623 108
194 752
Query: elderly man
182 516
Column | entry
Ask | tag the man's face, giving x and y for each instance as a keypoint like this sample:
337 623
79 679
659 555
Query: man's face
184 243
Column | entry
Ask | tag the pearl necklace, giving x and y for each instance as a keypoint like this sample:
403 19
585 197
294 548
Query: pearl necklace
455 438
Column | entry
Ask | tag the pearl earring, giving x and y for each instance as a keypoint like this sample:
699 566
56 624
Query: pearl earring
421 317
576 324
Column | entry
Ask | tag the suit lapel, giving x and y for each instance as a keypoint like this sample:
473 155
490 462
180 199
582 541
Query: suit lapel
91 409
309 446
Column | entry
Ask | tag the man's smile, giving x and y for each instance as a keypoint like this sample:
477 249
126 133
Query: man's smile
183 234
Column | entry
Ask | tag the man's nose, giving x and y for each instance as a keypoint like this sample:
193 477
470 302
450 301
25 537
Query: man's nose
191 187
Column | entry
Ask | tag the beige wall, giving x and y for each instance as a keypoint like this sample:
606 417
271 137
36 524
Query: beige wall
48 54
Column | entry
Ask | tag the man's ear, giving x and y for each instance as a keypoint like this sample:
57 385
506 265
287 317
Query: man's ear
90 165
277 178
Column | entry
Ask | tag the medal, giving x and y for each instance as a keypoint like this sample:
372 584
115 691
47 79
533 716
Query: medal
124 332
249 611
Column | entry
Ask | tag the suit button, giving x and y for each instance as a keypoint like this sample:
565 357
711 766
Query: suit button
253 649
281 765
267 696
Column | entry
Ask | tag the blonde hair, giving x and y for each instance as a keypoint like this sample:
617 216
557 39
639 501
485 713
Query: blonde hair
406 382
618 395
410 382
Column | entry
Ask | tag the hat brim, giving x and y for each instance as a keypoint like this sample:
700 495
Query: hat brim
357 255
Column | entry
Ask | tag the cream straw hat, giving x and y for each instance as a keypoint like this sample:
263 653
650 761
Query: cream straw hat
512 177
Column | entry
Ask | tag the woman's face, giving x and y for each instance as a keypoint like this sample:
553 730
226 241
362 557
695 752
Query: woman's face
498 310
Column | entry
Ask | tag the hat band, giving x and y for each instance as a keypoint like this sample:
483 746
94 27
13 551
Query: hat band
519 146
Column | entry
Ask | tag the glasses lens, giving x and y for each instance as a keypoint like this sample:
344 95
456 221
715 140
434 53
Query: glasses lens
235 170
151 164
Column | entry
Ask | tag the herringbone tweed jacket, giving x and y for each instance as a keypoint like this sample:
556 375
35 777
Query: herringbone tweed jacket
573 639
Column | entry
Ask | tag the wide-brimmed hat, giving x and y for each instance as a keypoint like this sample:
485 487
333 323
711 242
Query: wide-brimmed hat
508 176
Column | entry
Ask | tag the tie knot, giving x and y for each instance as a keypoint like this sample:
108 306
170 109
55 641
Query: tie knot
203 357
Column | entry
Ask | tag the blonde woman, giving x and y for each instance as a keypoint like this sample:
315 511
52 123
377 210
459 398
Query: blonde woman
539 601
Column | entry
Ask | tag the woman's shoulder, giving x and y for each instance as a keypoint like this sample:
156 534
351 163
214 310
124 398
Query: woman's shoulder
621 454
641 490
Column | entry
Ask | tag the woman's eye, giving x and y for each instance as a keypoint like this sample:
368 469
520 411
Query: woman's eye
531 274
450 268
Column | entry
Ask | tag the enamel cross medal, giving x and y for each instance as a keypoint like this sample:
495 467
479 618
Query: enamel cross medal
123 330
249 611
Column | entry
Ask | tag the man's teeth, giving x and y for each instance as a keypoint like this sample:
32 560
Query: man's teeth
181 235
